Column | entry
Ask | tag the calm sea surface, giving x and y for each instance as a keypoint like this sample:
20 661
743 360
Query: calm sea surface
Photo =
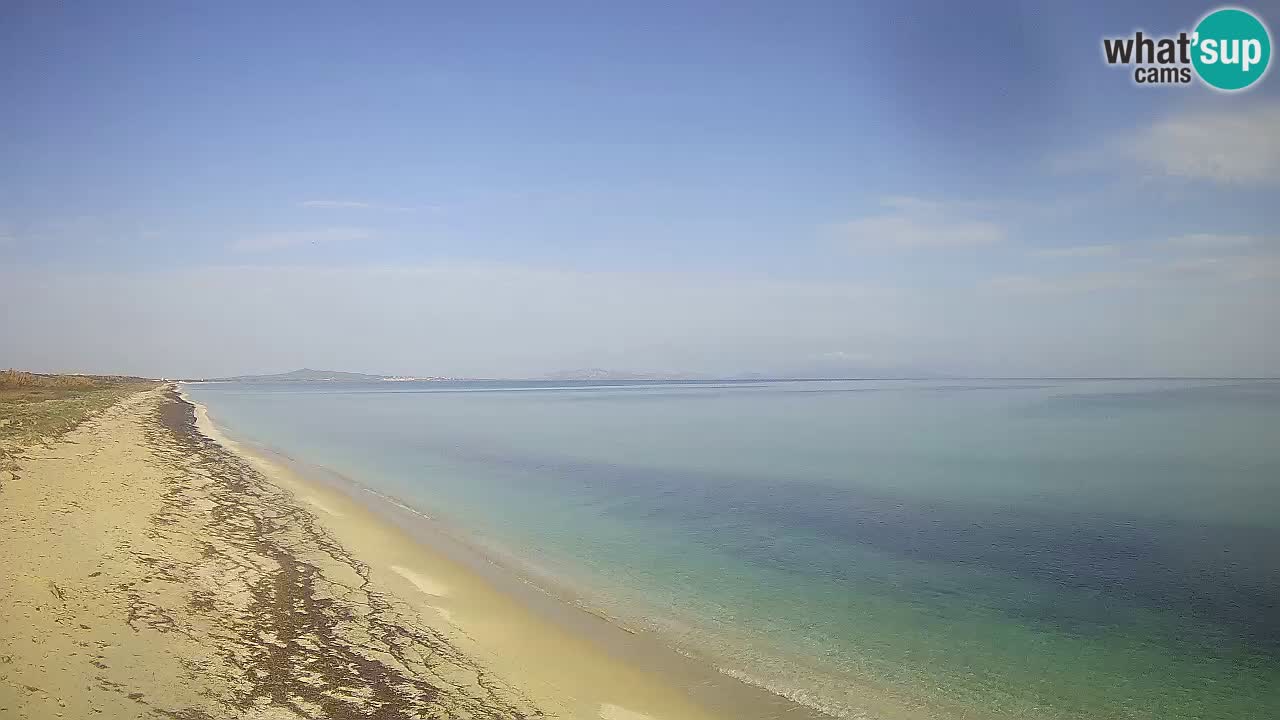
1021 549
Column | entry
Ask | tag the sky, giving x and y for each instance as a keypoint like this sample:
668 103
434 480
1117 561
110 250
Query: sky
512 189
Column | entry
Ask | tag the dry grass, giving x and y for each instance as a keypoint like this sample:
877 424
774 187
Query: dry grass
37 408
17 383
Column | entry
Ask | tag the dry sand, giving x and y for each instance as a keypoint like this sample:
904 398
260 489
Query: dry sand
152 568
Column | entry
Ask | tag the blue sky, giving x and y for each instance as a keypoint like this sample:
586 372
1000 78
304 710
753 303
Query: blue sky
513 188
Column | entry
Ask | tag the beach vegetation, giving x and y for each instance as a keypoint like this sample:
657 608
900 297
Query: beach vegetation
38 407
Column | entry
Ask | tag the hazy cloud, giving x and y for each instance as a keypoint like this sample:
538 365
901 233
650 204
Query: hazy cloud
1157 250
1145 272
1233 146
916 223
1226 146
1069 283
336 204
906 203
506 321
294 238
360 205
1212 241
1233 268
1077 251
444 318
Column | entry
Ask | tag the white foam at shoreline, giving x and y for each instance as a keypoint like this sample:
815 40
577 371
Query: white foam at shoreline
609 711
316 503
800 697
426 584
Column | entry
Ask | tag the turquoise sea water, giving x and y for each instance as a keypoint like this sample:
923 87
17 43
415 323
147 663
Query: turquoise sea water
1021 549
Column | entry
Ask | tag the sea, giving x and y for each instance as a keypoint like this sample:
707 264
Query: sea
960 548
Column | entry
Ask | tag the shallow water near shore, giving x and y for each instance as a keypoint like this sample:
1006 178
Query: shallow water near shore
969 548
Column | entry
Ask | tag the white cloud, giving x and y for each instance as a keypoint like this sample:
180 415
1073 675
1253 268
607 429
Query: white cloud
1234 268
845 356
1158 250
1145 273
1077 251
916 223
294 238
1193 263
336 204
1069 283
1238 145
1232 146
1212 241
906 203
361 205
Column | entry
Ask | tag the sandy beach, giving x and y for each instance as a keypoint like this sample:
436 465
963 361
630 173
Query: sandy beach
155 569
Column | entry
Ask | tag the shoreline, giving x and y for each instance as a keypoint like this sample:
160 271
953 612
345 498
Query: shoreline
456 577
152 573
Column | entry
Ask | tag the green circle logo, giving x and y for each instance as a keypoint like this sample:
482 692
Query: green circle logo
1232 49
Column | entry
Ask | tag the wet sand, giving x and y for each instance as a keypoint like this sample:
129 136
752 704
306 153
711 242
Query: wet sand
153 569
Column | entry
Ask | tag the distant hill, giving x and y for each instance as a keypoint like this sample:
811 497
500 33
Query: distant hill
304 375
814 371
